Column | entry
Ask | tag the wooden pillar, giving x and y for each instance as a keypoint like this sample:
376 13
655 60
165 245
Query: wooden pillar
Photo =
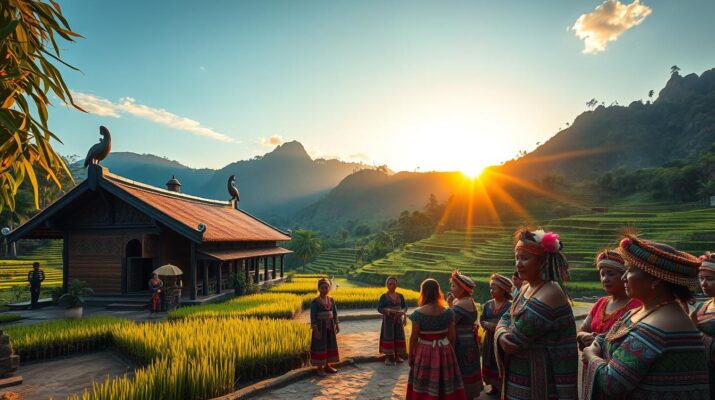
206 278
265 268
219 267
65 261
273 266
283 259
256 272
244 264
192 272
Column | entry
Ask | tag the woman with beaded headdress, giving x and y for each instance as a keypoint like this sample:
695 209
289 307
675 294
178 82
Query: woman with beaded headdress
500 289
536 339
466 345
704 314
392 306
610 308
324 324
654 351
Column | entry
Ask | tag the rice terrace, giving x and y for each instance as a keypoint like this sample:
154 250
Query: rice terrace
357 200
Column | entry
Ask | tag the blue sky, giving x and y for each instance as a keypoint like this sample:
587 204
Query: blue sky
449 85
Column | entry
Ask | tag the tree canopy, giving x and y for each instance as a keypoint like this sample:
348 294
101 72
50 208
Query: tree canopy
29 30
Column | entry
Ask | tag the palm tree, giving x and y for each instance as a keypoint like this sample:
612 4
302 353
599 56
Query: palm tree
650 94
674 70
305 244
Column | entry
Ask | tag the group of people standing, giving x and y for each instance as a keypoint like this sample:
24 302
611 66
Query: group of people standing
638 342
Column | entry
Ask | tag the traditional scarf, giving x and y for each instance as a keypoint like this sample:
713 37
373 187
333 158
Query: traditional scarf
660 260
323 281
392 278
707 262
464 282
502 282
610 259
547 245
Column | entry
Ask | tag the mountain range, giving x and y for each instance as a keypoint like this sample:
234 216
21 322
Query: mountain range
288 188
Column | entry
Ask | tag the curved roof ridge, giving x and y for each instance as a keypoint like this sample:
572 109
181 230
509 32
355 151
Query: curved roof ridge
161 191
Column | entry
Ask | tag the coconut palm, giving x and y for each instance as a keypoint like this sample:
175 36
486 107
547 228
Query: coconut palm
306 245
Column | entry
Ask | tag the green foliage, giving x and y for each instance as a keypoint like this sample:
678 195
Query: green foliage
239 284
28 42
305 244
76 291
18 291
9 317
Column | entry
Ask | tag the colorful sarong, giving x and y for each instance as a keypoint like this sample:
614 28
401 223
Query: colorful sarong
324 343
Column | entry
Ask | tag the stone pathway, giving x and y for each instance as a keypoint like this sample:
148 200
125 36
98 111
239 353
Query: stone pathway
61 377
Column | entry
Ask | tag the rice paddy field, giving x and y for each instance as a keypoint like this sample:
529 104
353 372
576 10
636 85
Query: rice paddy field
481 250
333 261
13 272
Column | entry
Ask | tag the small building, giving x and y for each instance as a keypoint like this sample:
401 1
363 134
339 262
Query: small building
116 231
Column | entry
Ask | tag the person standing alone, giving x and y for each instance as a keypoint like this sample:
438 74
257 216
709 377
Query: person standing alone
35 277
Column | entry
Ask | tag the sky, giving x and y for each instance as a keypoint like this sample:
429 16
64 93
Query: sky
417 85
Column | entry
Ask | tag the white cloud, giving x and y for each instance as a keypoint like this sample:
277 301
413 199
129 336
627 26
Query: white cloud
272 141
128 105
360 156
607 22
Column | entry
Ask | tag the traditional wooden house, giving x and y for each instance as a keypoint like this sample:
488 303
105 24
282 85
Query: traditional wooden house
117 231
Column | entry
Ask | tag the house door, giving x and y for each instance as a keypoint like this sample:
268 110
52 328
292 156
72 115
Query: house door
138 269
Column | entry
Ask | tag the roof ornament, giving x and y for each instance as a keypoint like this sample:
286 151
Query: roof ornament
201 228
99 151
232 189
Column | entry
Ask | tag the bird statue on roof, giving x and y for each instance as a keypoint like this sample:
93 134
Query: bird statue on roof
99 151
232 189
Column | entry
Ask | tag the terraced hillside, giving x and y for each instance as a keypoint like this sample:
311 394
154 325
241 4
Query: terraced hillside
47 252
333 262
481 250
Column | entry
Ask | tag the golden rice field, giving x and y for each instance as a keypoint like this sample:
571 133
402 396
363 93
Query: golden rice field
203 358
352 298
260 305
14 272
63 337
296 287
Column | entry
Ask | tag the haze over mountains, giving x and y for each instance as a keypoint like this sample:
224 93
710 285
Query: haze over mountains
287 187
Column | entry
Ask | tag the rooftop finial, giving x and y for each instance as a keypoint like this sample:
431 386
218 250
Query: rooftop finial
99 151
232 190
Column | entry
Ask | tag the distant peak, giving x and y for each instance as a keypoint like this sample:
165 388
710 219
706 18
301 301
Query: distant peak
293 149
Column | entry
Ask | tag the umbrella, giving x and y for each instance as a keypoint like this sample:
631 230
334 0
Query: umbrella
168 270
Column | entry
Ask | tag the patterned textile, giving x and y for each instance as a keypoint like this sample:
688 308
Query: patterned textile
392 331
647 363
466 346
660 260
435 374
602 322
546 367
490 370
705 322
324 343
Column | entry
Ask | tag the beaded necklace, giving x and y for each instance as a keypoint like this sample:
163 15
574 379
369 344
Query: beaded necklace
517 306
620 328
327 304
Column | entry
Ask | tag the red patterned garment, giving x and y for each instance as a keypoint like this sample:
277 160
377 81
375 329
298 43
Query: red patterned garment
601 321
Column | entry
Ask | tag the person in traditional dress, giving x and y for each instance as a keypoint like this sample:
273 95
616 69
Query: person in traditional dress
156 286
325 326
434 372
466 345
654 351
500 289
393 308
704 314
517 285
610 308
536 340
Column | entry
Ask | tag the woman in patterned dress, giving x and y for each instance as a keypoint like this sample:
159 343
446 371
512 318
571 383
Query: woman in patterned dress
608 309
500 289
704 314
654 351
393 308
536 340
324 324
434 372
466 345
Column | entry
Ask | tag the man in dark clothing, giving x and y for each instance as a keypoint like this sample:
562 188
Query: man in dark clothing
35 277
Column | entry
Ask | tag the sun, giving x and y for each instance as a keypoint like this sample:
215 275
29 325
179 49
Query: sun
472 171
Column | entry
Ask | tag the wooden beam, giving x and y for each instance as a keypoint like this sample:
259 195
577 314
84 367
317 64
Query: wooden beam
65 261
283 258
255 270
265 268
219 267
192 273
206 278
244 265
273 265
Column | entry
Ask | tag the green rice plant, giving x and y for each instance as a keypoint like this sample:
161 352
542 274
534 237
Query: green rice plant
202 358
261 305
9 317
367 297
60 338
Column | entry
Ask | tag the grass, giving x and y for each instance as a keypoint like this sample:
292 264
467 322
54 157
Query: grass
261 305
9 317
